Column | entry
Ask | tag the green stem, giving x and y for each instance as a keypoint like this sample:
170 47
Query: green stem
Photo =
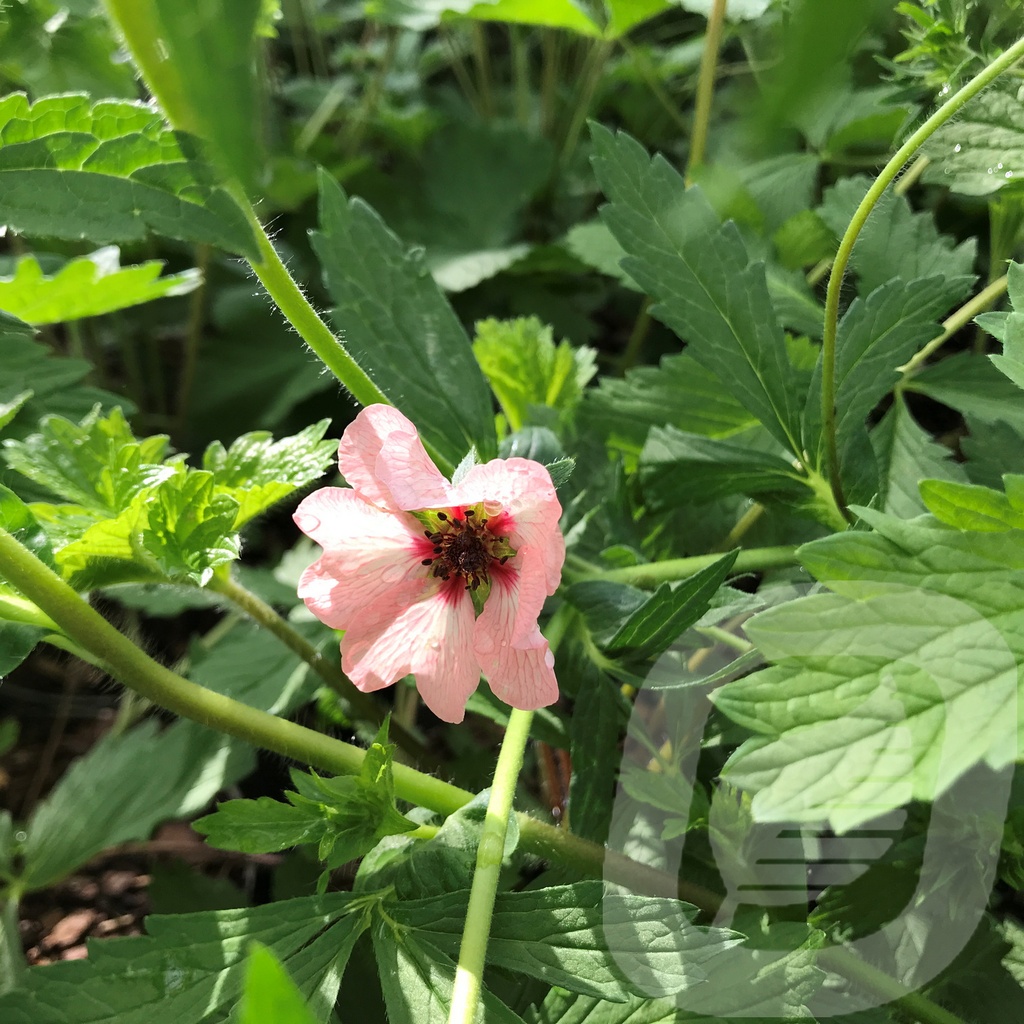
705 88
637 336
482 59
591 79
520 73
193 337
650 574
860 216
489 855
12 962
138 23
744 523
958 319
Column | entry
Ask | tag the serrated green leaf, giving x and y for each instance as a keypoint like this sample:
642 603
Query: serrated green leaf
876 335
680 392
97 463
17 519
121 790
678 469
417 980
87 286
905 453
269 993
982 149
191 967
17 639
264 825
400 328
526 369
698 272
257 472
970 507
1008 327
569 1008
211 47
179 530
110 172
870 683
804 239
594 244
669 612
576 936
897 242
974 387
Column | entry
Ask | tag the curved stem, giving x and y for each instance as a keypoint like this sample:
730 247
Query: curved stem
860 216
489 855
650 574
139 25
955 321
705 88
361 705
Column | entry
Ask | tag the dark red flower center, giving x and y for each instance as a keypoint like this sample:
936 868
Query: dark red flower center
465 547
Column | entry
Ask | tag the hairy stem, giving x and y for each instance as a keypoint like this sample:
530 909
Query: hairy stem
705 88
650 574
489 855
860 216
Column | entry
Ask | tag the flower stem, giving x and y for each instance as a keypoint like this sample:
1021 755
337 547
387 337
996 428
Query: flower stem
705 88
650 574
361 705
12 961
489 855
139 25
955 321
860 216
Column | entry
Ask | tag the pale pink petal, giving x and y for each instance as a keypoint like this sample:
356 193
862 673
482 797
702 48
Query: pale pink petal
381 456
521 674
371 566
432 640
524 490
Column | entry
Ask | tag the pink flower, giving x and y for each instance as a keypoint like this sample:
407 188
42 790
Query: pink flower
409 559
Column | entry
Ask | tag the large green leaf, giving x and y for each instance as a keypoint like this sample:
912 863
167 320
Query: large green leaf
705 286
575 936
400 328
110 172
871 681
191 967
526 369
417 980
561 1007
876 335
270 994
179 530
680 469
982 148
258 472
87 286
898 242
679 393
115 794
211 47
1008 327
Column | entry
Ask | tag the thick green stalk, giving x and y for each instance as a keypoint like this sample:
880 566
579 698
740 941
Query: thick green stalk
650 574
860 216
705 88
489 855
12 962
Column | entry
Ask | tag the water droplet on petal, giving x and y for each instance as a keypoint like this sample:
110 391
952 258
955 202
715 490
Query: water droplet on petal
956 148
307 523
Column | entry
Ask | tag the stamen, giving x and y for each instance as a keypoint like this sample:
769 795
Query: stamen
470 512
442 517
427 561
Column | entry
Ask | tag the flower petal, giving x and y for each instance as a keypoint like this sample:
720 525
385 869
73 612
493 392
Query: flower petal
433 640
525 492
382 458
521 674
370 569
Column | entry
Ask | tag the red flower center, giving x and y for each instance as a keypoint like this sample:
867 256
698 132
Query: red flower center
465 547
